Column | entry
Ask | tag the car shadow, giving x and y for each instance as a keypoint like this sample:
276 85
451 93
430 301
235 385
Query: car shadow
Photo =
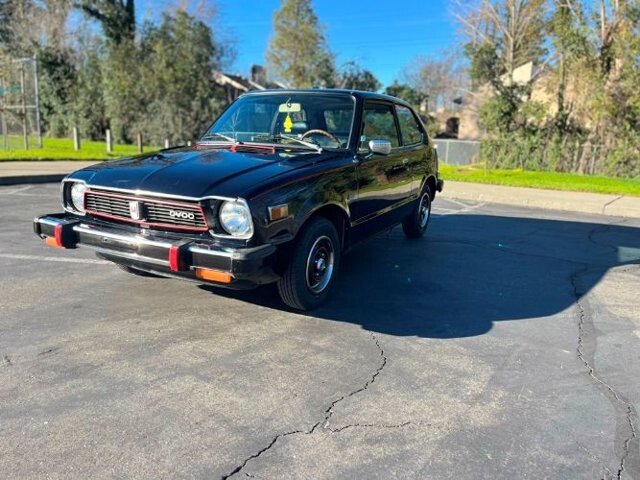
467 273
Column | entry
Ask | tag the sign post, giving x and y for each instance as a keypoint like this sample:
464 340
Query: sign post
25 133
37 88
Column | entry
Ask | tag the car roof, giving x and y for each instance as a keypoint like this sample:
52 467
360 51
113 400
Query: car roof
356 93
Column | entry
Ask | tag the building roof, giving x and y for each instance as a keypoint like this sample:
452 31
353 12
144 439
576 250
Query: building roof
244 84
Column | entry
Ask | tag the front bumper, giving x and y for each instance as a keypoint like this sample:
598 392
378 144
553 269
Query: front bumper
198 260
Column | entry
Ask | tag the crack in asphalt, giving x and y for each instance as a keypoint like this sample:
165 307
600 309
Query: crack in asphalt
603 229
586 350
374 425
608 475
328 413
239 468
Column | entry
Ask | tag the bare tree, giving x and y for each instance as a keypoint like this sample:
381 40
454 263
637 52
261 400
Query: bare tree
440 79
515 28
28 26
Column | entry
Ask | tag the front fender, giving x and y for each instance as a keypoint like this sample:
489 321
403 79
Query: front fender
304 198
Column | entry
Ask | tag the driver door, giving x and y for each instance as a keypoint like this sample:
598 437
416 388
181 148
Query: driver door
384 181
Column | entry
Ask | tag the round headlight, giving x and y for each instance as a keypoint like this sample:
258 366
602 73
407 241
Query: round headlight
77 196
235 218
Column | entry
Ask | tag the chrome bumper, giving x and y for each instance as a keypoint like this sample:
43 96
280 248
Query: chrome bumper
155 254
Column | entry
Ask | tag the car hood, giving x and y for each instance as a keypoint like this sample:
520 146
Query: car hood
194 172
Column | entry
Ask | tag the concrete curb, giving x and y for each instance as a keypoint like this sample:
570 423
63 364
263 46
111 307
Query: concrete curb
18 172
17 180
593 203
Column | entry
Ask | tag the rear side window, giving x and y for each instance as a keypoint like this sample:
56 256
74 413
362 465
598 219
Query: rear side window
409 127
379 123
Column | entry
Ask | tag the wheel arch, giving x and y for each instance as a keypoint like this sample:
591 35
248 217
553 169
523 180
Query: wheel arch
336 214
431 182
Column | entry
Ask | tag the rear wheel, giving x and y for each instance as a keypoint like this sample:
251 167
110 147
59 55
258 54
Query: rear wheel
310 274
416 224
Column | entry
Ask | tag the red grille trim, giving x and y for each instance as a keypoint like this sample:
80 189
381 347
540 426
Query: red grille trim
146 200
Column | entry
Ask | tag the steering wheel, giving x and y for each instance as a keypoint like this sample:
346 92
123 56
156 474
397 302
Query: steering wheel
321 132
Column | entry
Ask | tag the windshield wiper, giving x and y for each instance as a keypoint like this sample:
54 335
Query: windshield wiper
310 145
213 135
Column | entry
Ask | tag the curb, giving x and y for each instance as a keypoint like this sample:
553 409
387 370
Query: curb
20 179
577 202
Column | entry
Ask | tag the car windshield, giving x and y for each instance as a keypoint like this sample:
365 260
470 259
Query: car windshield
306 121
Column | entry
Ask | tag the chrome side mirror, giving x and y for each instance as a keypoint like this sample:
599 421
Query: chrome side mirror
379 146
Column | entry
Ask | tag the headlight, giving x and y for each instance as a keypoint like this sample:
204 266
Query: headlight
235 218
77 196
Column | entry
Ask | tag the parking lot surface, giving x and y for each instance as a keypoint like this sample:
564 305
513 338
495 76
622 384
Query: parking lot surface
505 344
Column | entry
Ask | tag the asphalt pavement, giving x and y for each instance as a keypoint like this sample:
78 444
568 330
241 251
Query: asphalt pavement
505 344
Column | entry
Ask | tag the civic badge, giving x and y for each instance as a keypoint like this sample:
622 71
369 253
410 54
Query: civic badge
135 210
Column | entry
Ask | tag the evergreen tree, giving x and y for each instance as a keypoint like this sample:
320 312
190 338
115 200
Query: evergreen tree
354 77
298 53
118 17
181 97
89 107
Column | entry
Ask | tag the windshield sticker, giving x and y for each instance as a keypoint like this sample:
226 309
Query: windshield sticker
288 124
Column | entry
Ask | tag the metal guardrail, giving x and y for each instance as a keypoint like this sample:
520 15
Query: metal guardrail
457 152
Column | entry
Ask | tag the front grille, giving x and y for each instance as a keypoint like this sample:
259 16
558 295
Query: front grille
150 212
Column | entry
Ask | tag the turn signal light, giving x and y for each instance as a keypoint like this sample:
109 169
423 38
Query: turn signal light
52 242
278 211
56 240
213 275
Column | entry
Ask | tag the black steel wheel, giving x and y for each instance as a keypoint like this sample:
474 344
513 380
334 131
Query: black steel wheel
312 268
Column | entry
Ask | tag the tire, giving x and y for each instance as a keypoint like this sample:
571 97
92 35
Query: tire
416 224
313 266
135 271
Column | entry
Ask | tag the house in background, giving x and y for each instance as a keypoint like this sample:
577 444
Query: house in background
236 85
460 120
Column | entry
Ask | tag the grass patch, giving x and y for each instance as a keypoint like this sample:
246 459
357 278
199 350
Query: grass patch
546 180
62 149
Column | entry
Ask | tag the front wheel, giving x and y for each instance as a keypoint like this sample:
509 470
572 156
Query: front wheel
312 268
416 224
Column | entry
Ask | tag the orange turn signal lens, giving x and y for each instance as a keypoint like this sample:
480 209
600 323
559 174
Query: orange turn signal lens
278 211
52 242
213 275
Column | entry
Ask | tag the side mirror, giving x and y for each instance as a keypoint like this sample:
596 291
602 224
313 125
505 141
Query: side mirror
382 147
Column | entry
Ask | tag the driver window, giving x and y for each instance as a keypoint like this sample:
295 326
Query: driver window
379 123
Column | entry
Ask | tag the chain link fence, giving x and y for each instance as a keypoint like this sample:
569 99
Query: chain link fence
19 104
458 152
